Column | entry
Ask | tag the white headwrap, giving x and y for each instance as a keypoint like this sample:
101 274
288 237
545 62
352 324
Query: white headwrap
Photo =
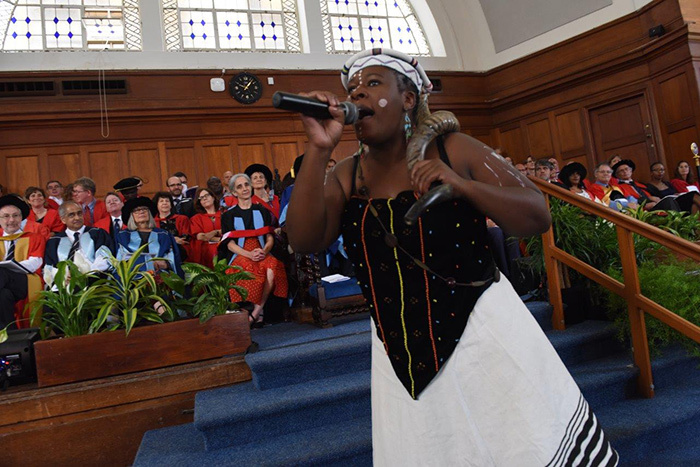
398 61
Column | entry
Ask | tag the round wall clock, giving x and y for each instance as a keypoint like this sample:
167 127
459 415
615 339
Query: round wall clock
245 87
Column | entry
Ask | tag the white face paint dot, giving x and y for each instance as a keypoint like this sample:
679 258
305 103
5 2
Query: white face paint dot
383 102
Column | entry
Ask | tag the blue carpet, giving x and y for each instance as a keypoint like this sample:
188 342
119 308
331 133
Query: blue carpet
309 401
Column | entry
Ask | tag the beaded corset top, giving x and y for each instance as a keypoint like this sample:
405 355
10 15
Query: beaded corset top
420 315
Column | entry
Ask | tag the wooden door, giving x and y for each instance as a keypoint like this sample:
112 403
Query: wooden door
625 128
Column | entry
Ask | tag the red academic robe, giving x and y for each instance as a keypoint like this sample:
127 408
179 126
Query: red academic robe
99 212
204 252
52 221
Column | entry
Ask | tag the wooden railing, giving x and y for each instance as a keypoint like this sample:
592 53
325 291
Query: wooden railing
637 304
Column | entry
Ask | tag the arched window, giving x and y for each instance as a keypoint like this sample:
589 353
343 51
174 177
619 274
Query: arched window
248 25
40 25
354 25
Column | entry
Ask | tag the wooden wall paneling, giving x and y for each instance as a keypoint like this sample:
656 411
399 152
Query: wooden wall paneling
21 171
512 144
625 128
182 157
218 158
678 145
105 165
539 138
250 152
143 160
282 155
673 102
570 132
64 167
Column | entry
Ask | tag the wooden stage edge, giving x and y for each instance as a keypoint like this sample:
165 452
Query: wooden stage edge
101 422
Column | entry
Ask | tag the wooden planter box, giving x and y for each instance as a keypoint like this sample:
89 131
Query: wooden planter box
82 358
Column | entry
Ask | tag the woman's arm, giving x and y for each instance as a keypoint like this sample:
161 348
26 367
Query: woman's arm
315 208
493 187
235 249
269 242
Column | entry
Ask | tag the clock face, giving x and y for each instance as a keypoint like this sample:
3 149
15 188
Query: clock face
245 88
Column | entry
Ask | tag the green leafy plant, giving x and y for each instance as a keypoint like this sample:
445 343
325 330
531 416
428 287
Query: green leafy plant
210 287
69 309
130 294
674 285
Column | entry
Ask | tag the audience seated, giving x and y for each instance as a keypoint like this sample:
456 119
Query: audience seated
88 247
205 227
114 222
128 187
261 177
247 243
54 188
25 250
521 168
84 190
40 213
554 176
177 224
141 230
604 191
671 199
624 170
543 169
572 176
530 166
181 204
684 179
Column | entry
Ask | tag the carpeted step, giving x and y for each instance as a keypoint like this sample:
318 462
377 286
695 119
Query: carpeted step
347 442
673 364
296 364
605 381
542 311
640 428
585 341
687 455
289 334
241 414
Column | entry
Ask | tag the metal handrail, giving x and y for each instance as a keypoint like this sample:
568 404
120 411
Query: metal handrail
637 304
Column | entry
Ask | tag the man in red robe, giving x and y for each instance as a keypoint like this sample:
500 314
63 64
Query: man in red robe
22 255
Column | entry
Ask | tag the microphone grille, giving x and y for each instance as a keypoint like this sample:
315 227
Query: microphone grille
350 110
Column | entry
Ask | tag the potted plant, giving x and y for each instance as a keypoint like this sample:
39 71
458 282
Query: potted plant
211 288
129 298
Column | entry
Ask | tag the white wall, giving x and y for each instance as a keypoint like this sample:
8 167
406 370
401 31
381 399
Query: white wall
464 43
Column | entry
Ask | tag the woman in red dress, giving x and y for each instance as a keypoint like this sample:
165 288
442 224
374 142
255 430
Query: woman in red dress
248 240
684 178
205 227
41 214
177 224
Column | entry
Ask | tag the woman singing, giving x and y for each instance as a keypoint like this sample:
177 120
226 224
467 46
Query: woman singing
461 372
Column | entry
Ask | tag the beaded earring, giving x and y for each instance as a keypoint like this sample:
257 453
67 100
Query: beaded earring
407 127
361 150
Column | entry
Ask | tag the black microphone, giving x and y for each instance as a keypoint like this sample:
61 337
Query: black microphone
311 107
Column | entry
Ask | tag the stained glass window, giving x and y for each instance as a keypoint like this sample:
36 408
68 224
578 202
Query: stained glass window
70 25
248 25
355 25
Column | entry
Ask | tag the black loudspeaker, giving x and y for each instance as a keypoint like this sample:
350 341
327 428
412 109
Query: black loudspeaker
17 364
657 31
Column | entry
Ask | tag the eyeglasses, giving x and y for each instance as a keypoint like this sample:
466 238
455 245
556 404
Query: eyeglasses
175 184
659 170
205 196
604 171
141 209
79 191
11 216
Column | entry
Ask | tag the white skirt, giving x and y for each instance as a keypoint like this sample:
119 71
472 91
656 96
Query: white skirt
503 398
